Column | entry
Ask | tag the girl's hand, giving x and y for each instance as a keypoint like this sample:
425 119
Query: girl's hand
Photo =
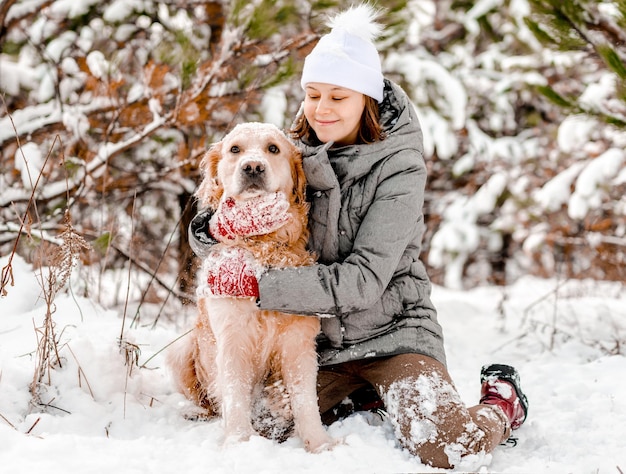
233 272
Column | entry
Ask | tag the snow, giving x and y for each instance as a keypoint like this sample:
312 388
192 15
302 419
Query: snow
591 180
28 120
599 92
75 120
29 162
71 8
273 107
97 63
556 192
451 97
479 9
575 131
58 46
118 10
458 235
105 416
15 75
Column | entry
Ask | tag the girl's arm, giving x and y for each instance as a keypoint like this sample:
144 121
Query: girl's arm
393 221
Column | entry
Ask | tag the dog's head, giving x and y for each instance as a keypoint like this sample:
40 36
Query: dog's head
254 158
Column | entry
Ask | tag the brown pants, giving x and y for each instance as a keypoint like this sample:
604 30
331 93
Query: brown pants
423 405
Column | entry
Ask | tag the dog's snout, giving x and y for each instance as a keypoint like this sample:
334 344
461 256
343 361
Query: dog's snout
253 168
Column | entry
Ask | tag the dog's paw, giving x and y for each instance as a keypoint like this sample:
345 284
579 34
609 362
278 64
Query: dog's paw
320 445
199 415
237 437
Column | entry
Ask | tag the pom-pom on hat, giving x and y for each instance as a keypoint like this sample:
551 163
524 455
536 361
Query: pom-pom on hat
346 57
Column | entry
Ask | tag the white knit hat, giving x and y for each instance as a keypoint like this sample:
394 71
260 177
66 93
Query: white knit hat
346 57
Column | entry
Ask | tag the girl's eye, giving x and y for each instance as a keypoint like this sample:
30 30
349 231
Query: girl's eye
338 98
234 149
273 149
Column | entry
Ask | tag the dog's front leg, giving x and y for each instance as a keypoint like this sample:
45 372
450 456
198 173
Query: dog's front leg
237 400
236 369
299 371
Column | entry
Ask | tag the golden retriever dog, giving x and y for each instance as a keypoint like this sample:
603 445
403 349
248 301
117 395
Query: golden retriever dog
256 369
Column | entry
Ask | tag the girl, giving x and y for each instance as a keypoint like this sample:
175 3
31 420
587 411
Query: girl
363 157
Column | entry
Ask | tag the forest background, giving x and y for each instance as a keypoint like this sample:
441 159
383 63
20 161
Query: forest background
108 107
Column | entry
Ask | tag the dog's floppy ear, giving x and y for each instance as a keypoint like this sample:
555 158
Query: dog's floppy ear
210 190
299 178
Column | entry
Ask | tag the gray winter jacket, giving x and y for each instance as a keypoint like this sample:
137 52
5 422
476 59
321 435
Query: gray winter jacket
366 221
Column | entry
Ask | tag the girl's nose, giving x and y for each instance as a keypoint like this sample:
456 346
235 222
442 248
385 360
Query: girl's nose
323 106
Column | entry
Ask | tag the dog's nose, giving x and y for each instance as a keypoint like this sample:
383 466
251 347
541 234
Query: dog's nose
253 168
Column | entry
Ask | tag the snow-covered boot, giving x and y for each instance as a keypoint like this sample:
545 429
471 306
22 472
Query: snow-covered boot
500 386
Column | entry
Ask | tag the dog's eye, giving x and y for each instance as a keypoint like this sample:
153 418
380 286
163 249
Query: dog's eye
234 149
273 149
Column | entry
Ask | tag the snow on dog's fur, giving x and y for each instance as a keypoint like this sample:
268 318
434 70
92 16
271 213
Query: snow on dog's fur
255 368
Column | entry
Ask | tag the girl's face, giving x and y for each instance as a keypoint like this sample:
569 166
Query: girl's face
333 112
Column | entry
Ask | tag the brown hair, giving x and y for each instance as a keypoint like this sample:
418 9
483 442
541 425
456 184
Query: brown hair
370 130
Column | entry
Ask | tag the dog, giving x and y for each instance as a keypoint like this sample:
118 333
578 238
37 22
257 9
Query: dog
256 369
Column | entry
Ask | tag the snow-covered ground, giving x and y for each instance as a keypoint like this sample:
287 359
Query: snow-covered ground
101 420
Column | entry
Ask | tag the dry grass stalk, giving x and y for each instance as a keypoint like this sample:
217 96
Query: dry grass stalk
131 354
7 421
63 261
81 374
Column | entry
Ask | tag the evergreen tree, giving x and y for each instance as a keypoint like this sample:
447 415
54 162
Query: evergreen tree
597 30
